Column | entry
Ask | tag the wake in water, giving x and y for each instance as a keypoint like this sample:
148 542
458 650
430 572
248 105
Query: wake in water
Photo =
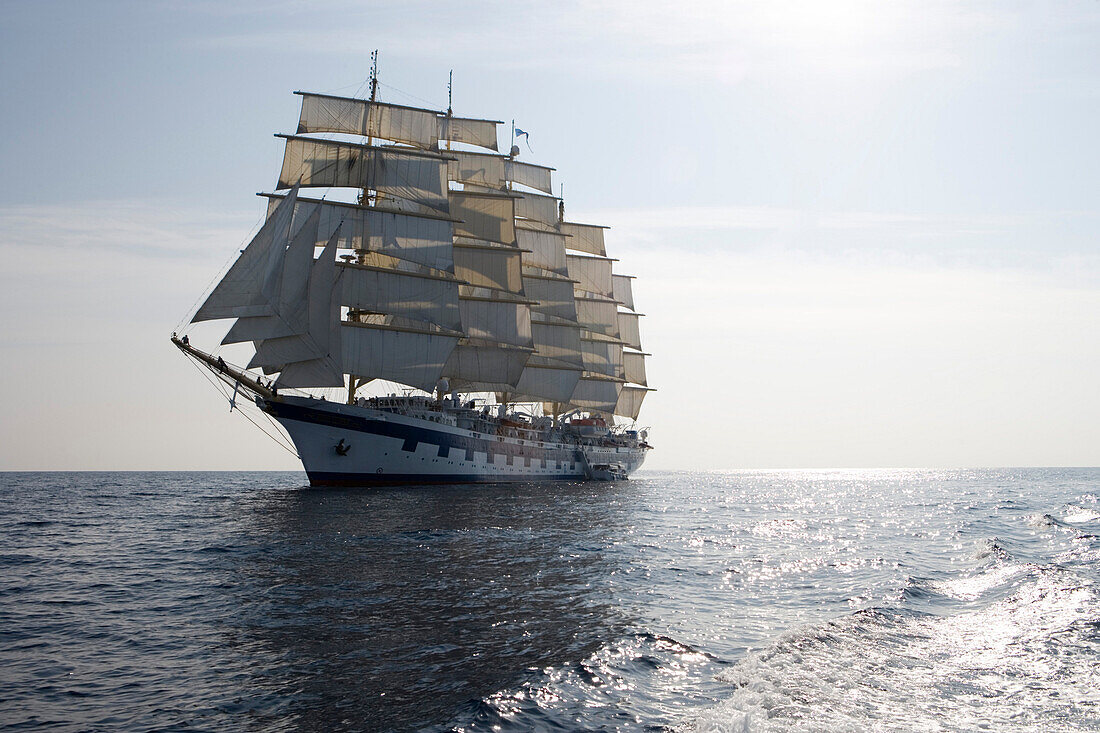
1003 634
1023 654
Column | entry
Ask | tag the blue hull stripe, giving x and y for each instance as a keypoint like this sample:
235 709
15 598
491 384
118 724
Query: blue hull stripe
412 435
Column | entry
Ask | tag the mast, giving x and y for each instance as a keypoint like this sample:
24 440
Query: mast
374 76
450 109
364 198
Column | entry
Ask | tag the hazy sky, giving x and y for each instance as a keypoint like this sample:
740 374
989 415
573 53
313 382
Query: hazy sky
866 234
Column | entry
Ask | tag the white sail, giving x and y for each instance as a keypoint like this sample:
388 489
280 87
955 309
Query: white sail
558 341
387 349
553 295
488 265
545 379
496 171
553 370
630 401
276 353
623 290
321 342
481 366
424 239
628 330
257 328
480 169
598 314
528 174
417 176
603 357
313 373
538 208
591 273
416 295
291 306
324 323
411 125
634 367
496 316
250 285
585 237
545 249
483 215
596 393
482 133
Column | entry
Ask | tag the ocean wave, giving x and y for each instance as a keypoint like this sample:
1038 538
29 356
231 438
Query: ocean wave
642 672
1022 662
991 548
972 586
1080 515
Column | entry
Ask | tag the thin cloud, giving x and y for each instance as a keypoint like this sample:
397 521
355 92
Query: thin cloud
145 229
721 41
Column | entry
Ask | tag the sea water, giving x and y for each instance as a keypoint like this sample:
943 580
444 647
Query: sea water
743 601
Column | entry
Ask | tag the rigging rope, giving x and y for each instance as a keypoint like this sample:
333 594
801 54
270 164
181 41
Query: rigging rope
358 88
431 104
220 385
221 270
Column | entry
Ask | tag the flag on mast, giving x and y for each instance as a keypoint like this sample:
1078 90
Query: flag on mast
525 136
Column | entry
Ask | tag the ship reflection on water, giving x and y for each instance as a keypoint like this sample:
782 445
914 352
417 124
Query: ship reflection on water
395 608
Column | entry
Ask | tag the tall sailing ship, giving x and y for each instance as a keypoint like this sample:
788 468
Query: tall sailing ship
449 269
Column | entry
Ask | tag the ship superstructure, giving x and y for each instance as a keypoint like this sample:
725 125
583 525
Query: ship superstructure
439 264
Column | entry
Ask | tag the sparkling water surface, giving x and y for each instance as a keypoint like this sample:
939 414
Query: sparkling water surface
769 600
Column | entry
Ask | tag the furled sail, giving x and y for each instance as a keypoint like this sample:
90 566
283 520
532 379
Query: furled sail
592 274
623 290
410 174
421 238
411 125
251 284
585 237
634 367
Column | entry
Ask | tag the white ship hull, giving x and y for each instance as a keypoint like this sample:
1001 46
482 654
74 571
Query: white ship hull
349 445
